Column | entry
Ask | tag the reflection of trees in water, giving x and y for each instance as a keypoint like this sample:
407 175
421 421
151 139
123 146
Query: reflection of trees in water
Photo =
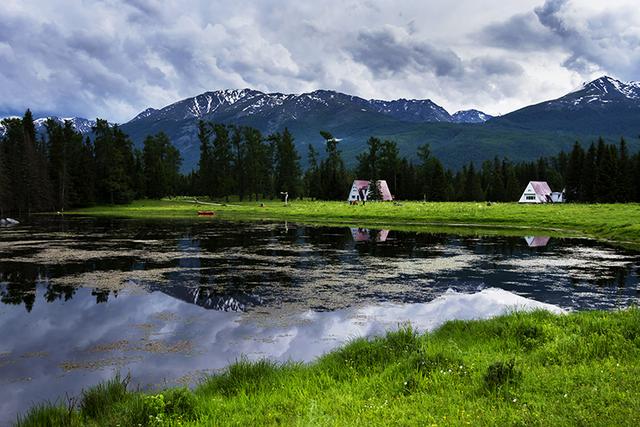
19 285
59 292
102 295
258 262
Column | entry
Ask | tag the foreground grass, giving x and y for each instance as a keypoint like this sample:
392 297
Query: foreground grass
524 368
616 222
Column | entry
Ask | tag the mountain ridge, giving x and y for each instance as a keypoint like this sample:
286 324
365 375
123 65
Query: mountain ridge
603 107
206 103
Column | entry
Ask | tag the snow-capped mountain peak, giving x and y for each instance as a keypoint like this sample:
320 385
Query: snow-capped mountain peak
276 108
80 124
602 91
608 86
470 116
145 113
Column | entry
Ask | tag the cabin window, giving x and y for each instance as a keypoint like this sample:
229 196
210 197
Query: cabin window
530 197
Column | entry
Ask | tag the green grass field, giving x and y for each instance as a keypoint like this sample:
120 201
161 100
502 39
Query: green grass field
520 369
617 222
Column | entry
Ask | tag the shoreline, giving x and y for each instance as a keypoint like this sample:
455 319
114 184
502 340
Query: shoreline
617 224
521 368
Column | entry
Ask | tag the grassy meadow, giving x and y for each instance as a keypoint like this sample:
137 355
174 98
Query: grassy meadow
615 222
537 368
532 368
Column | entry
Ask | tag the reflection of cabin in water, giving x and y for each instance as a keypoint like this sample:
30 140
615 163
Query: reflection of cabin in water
360 191
537 241
540 192
365 235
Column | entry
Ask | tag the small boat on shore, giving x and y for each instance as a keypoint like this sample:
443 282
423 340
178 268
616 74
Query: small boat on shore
206 213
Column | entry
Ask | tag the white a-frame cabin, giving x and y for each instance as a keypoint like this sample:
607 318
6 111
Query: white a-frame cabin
540 192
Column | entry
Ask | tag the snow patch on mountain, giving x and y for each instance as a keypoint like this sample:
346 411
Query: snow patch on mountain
237 103
145 113
470 116
604 90
82 125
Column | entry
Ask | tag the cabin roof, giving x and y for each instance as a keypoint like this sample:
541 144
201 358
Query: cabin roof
540 187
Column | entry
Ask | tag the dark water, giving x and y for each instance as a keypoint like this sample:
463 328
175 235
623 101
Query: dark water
171 301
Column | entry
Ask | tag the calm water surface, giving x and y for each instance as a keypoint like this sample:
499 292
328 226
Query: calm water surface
172 301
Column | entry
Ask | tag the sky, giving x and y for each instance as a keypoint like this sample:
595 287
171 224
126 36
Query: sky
113 59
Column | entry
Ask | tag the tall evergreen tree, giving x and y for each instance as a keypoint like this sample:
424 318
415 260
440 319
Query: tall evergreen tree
333 174
312 179
239 169
368 166
574 184
287 165
255 162
114 164
205 164
161 166
624 174
5 195
389 165
222 162
588 175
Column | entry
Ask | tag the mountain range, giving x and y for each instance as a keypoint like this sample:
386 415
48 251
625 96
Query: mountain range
604 107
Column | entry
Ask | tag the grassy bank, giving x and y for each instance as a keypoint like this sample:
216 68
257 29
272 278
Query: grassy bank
618 222
524 368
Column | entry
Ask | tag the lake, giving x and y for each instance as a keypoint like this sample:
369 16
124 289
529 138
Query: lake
172 301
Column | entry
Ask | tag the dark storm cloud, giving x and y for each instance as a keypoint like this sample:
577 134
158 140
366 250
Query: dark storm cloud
392 51
522 32
488 65
548 16
114 58
603 41
389 51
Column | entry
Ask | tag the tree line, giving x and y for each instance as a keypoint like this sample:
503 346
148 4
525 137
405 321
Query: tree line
603 173
238 160
63 169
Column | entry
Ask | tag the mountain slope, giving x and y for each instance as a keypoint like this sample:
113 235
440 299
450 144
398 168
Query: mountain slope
470 116
351 118
605 106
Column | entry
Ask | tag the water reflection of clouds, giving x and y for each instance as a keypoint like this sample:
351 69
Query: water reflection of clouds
578 262
296 288
243 266
66 330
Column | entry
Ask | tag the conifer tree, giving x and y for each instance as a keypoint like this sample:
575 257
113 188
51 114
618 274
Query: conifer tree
389 164
287 165
161 166
205 164
255 161
114 164
333 174
239 154
313 185
574 184
222 162
588 174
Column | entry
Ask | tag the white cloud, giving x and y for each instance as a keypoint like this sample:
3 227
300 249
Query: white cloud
113 58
